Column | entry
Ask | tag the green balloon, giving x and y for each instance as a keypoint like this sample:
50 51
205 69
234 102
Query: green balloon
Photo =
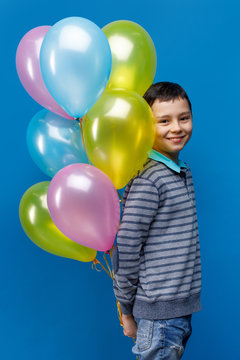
134 58
39 227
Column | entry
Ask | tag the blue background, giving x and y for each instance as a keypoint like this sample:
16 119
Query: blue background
54 308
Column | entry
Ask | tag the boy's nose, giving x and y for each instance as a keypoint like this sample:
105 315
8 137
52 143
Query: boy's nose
175 127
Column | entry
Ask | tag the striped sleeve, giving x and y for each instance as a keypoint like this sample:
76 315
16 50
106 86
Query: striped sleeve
140 208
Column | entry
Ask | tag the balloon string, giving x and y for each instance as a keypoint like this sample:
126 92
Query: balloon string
118 304
119 313
80 123
95 262
109 269
121 198
111 274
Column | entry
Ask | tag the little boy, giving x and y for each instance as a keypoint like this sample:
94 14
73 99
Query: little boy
156 259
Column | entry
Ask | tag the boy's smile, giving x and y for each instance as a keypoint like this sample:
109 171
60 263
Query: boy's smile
173 126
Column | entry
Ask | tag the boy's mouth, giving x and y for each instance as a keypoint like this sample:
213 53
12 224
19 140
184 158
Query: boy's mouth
176 139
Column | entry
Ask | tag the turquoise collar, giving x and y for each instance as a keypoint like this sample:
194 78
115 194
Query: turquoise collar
155 155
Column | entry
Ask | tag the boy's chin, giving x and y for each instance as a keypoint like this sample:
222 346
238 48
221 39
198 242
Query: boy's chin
176 146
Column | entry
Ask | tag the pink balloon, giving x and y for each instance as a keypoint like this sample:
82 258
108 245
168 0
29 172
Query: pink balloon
84 205
28 69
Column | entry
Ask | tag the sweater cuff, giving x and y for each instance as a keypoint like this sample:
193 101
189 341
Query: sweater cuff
126 308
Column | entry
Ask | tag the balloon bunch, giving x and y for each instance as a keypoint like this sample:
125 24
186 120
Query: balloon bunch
91 83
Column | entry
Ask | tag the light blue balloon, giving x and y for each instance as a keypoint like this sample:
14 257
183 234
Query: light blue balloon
75 61
54 142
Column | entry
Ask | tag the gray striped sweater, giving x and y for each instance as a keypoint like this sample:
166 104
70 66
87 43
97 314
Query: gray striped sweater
156 258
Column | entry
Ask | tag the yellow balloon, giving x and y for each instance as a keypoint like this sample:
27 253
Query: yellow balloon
39 227
118 134
134 58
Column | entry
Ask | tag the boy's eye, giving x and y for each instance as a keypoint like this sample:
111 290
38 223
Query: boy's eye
162 121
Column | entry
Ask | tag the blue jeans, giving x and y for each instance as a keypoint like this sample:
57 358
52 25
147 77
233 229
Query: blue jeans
162 339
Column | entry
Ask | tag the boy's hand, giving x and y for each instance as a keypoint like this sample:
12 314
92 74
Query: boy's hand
129 326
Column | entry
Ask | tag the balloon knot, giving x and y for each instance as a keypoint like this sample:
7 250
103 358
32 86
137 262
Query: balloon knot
95 262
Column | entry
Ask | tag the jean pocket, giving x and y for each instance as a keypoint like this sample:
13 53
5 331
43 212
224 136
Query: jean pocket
144 334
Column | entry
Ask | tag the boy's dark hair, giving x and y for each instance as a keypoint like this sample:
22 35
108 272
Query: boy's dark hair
165 91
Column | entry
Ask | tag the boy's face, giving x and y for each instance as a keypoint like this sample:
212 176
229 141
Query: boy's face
173 126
